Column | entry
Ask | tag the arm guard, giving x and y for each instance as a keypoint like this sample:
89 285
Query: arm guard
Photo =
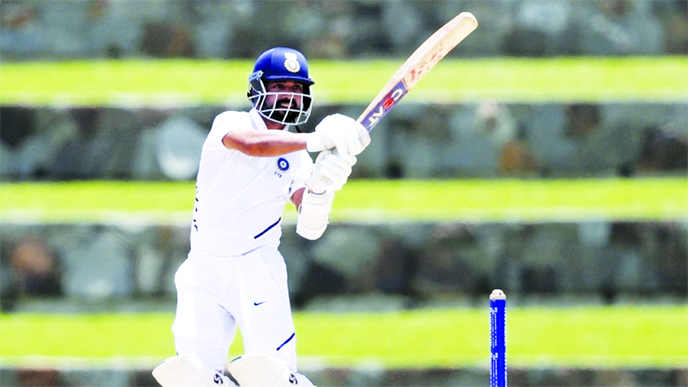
313 214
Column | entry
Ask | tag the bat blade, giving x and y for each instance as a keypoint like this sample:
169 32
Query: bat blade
417 65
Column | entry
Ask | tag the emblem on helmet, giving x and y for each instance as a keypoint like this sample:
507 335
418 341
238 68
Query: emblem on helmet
291 63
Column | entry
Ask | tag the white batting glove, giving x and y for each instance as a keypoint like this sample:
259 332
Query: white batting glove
331 171
339 132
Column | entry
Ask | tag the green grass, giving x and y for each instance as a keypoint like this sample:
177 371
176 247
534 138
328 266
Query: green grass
370 200
655 336
194 82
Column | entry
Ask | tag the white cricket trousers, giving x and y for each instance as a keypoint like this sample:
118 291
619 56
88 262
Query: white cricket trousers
215 294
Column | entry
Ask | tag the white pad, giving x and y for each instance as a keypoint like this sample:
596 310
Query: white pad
313 214
261 371
189 371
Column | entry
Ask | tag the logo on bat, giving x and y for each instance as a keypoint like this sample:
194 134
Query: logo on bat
386 104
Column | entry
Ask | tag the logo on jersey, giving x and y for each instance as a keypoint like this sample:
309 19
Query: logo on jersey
282 164
291 63
292 379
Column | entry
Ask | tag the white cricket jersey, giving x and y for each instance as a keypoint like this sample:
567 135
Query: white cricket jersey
240 198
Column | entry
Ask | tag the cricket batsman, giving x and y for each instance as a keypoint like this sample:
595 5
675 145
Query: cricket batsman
234 275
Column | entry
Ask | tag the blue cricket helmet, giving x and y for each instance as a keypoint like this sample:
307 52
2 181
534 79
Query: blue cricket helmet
281 64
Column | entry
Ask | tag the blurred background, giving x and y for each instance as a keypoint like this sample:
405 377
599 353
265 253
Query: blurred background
79 267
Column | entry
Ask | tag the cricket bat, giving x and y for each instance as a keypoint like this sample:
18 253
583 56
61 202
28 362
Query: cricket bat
417 65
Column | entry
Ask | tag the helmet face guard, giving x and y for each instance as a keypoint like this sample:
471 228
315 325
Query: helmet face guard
281 64
291 114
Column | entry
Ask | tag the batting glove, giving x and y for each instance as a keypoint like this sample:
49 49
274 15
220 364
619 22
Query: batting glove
339 132
331 171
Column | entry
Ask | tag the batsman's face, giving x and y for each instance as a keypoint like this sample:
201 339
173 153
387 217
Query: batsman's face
284 94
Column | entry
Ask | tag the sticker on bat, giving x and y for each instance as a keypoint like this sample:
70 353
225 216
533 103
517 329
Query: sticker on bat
384 106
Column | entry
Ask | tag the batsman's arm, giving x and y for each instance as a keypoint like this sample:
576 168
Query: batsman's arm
265 142
297 197
335 131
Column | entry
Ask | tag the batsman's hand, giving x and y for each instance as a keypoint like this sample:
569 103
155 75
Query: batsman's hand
339 132
331 171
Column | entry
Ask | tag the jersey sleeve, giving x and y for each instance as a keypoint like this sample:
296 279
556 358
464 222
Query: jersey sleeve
225 123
